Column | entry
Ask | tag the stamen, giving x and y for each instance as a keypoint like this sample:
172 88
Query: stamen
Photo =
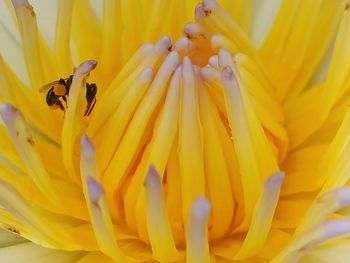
85 68
25 146
225 60
158 151
96 202
162 242
213 83
73 116
183 46
200 47
262 217
129 146
173 199
254 154
99 117
216 170
251 66
190 140
244 148
214 61
210 74
199 12
193 30
114 129
208 5
147 57
267 109
214 19
197 244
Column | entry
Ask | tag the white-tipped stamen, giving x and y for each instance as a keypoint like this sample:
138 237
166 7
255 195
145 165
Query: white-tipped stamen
209 74
214 61
208 5
256 164
159 230
190 139
193 30
72 125
197 245
225 60
96 202
262 217
164 44
183 45
85 68
8 113
199 12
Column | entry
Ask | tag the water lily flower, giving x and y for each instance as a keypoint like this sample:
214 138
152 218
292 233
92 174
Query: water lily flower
175 131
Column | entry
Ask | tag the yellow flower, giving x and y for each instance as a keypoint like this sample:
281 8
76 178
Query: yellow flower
226 140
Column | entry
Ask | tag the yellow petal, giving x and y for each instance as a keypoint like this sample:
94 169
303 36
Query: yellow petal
94 257
32 253
335 251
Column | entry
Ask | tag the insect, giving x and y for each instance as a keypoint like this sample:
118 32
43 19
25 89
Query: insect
58 92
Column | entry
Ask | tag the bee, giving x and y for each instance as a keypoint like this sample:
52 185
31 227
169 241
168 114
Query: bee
58 92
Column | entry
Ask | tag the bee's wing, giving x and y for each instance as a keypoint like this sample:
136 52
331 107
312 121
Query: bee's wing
48 86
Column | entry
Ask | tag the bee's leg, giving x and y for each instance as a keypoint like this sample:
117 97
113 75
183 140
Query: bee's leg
90 107
65 100
59 104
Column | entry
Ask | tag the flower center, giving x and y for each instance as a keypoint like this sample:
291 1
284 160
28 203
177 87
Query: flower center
179 111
